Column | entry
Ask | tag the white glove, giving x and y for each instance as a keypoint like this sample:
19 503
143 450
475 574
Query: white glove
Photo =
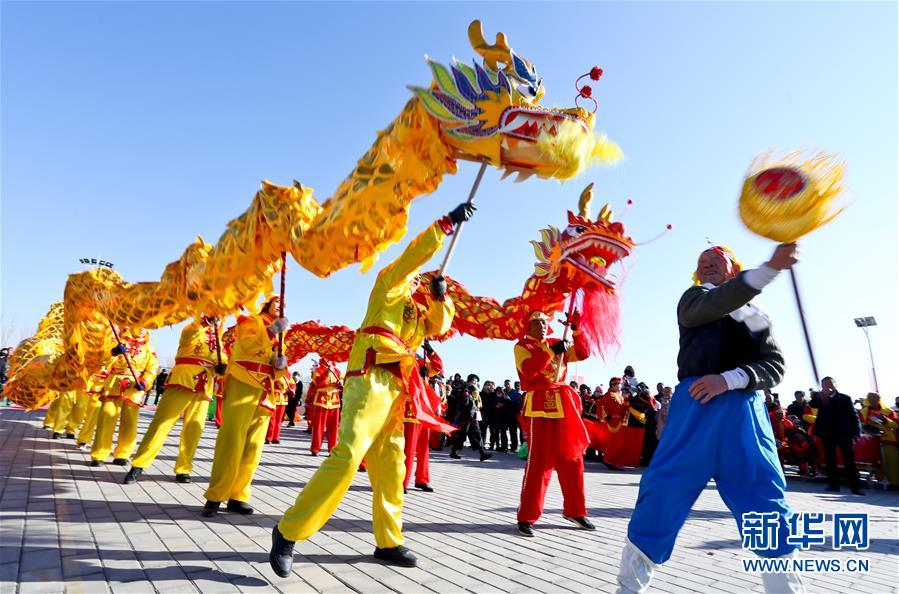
278 326
280 361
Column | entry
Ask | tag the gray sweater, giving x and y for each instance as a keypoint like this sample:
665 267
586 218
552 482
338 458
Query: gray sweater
712 341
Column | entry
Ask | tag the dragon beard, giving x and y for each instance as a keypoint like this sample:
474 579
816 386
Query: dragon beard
600 319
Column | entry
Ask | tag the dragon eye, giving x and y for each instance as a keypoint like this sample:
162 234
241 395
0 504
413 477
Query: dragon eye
580 228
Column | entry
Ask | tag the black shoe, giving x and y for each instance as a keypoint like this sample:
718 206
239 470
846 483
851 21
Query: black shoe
582 523
211 509
832 489
276 441
267 442
70 436
524 529
291 424
397 556
405 491
132 475
858 492
455 455
96 463
120 461
313 453
182 478
239 507
56 435
424 487
281 555
362 468
486 456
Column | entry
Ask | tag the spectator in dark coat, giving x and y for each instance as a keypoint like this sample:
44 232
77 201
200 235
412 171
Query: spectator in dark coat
837 427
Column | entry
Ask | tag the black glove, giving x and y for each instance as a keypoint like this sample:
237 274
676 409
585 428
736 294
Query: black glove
220 368
462 213
438 288
559 347
426 345
119 349
140 386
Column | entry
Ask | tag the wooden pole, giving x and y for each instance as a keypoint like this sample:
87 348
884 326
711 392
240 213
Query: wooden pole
125 354
565 336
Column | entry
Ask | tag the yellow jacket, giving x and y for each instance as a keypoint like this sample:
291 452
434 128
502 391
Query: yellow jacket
196 359
120 383
392 308
252 356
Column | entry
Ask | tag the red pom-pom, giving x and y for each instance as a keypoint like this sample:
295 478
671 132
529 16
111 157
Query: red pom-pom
586 91
630 202
595 72
670 227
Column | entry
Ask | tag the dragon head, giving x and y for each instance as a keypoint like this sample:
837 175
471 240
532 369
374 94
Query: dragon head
492 112
582 254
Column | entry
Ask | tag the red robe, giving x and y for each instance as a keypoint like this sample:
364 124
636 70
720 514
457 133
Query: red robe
557 437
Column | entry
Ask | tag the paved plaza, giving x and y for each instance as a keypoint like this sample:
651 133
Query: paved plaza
65 527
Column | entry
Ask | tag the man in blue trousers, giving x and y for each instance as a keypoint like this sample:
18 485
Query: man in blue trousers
717 424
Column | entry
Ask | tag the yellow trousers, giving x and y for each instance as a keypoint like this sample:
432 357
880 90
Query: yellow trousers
82 400
50 417
175 402
89 427
238 446
66 402
371 427
113 410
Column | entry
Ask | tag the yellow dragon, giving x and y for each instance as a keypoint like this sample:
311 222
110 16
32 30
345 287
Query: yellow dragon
488 112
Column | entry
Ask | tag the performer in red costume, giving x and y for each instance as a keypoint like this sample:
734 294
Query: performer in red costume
284 386
324 395
620 445
417 448
557 437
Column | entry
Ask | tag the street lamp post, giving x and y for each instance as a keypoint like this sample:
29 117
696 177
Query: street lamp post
864 324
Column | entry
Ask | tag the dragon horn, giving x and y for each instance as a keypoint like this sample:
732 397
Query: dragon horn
605 214
583 205
498 52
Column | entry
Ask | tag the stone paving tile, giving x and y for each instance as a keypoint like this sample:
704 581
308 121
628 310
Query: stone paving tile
67 527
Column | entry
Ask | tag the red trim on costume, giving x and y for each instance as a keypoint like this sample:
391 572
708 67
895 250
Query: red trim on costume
446 224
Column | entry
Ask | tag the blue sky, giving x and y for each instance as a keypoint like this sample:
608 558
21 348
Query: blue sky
130 128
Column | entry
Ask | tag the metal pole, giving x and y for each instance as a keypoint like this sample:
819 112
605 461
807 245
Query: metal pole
871 354
283 289
471 194
808 340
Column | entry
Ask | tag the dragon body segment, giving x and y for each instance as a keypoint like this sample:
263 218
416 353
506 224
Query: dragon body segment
490 112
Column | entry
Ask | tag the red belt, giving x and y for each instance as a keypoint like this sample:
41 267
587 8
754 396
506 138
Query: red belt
377 330
257 367
193 361
370 353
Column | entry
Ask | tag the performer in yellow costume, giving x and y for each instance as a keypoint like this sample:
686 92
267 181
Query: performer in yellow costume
50 415
381 372
122 398
251 385
64 408
188 392
90 401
